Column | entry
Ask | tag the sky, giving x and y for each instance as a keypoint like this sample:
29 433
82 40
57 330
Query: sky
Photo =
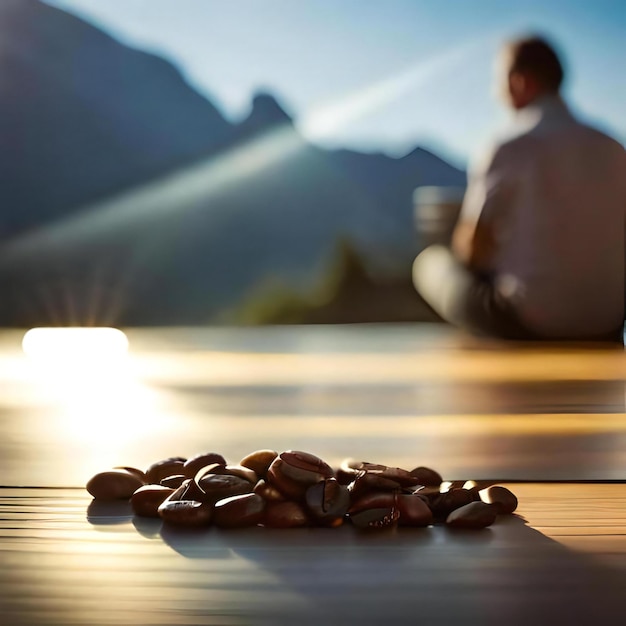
376 75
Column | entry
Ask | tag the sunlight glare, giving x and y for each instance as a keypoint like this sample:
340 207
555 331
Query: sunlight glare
326 120
75 345
87 379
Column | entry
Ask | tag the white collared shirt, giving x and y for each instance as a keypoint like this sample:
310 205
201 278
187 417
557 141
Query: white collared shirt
555 194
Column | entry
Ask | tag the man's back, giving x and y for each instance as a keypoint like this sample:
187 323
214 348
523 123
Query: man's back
561 245
538 251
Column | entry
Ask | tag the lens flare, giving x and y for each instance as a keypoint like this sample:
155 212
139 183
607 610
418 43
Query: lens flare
75 345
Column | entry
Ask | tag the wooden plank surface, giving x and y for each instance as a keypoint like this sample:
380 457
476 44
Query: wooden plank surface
403 396
560 561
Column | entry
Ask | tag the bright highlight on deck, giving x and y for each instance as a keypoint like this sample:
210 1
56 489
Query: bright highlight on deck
75 344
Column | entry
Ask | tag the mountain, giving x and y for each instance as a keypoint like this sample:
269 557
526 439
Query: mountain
82 116
127 198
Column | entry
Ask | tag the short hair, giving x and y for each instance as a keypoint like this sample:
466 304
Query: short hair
535 56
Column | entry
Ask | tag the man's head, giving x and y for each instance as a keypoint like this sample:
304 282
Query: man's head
529 69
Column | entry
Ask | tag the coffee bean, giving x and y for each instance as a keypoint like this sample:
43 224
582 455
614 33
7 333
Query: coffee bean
413 511
243 472
219 486
296 489
398 475
147 499
174 481
367 482
133 470
345 476
363 465
192 466
303 467
426 476
268 492
180 493
373 500
426 492
259 461
186 513
287 486
285 515
376 519
228 470
193 492
239 511
162 469
115 484
473 487
472 515
502 498
443 504
327 501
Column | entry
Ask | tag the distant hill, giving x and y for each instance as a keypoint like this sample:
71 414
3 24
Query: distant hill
188 213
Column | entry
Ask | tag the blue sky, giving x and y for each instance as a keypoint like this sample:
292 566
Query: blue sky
375 74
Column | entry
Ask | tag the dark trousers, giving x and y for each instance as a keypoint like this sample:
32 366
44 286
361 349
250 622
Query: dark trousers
471 302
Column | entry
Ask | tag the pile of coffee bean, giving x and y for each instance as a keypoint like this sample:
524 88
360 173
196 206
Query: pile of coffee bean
294 489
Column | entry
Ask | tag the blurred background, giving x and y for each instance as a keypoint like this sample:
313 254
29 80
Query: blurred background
208 162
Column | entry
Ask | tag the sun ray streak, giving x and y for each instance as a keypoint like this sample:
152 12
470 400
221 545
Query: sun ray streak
182 190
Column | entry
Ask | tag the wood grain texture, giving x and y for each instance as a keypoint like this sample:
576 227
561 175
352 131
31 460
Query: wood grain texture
560 560
401 395
404 396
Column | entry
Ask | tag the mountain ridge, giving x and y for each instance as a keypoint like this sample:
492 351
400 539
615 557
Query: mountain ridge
86 121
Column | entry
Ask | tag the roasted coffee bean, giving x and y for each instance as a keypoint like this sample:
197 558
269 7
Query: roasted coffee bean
373 500
426 492
193 492
243 472
219 486
186 513
162 469
268 492
443 504
380 518
398 475
363 465
133 470
427 477
298 488
259 461
472 515
180 493
215 469
174 481
473 487
239 511
287 486
192 466
367 482
147 500
502 498
413 510
285 515
228 470
345 476
303 467
327 501
115 484
448 485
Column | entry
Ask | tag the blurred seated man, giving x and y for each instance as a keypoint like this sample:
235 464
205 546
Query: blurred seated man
539 248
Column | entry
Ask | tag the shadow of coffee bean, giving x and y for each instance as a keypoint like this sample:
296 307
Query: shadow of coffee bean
107 513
